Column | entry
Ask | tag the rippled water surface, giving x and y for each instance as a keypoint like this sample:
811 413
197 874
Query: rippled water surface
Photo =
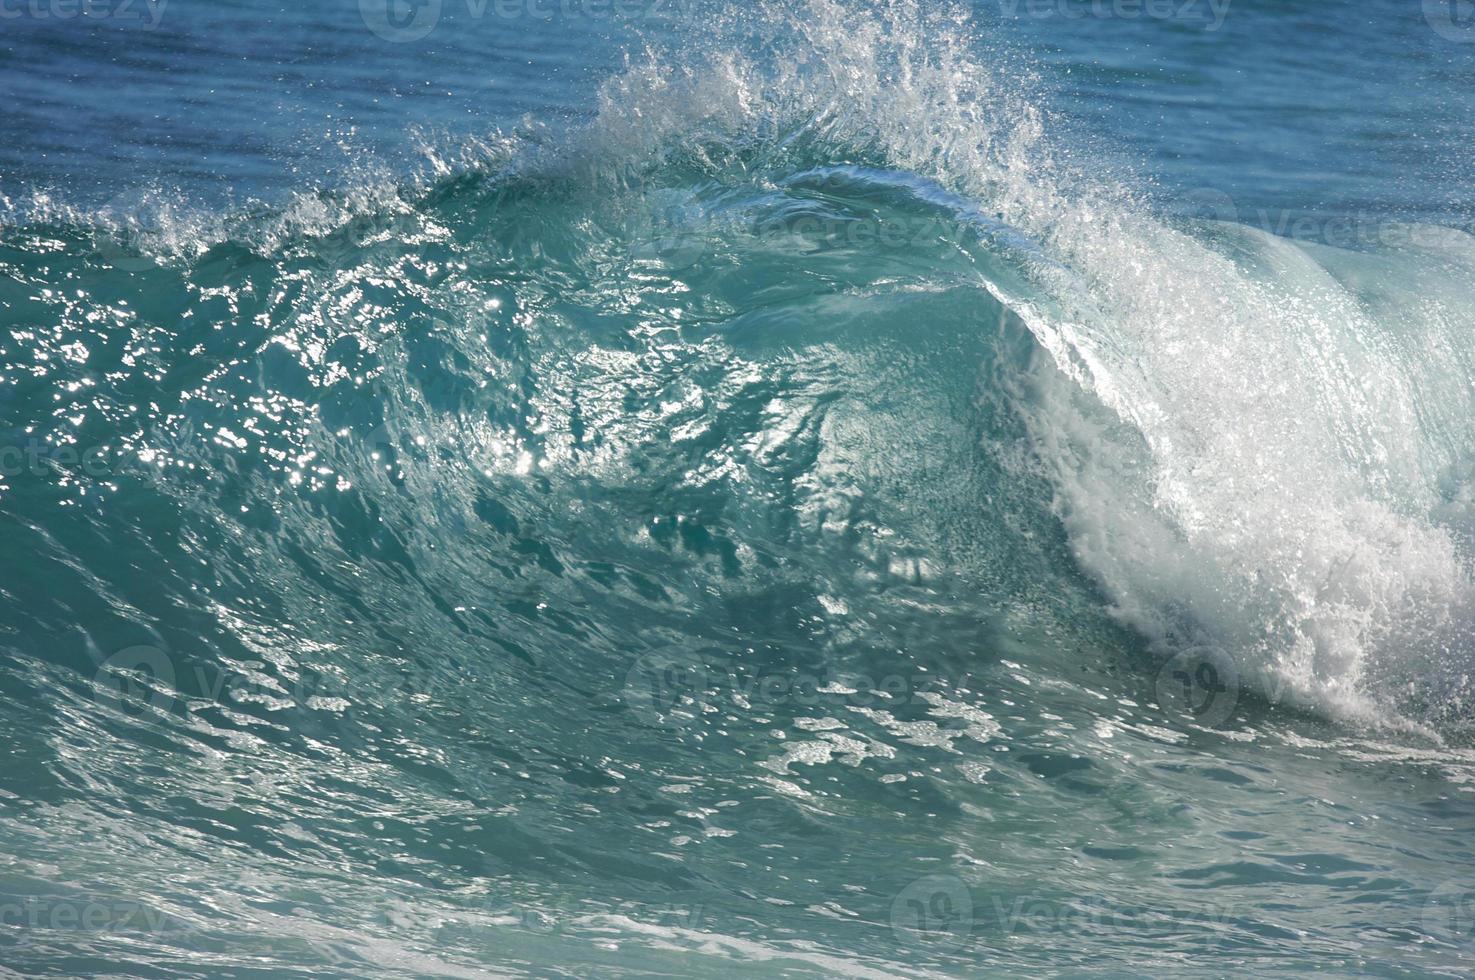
855 489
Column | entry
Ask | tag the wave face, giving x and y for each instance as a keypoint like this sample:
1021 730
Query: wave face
727 536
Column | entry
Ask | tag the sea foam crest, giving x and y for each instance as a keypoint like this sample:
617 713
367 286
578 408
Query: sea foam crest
1249 445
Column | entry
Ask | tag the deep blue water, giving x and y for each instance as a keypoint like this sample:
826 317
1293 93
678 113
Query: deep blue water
662 488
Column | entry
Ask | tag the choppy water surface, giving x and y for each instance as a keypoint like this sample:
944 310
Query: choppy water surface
861 490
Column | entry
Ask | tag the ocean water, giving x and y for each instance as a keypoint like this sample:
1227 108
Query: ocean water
670 488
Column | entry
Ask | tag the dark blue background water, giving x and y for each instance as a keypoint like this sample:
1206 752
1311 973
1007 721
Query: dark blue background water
1338 109
667 489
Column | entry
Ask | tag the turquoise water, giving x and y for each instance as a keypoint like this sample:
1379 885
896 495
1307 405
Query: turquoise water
852 490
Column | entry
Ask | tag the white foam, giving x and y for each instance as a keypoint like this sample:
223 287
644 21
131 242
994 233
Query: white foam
1249 448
